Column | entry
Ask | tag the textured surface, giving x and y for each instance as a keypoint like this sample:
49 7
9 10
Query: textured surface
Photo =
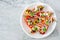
10 11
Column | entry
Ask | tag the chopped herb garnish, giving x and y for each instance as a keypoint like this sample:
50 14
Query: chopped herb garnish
47 22
35 28
31 14
42 14
44 29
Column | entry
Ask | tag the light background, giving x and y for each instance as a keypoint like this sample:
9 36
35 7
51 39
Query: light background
10 11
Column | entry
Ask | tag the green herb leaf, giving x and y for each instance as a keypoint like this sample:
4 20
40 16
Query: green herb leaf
47 22
44 29
35 29
42 14
31 14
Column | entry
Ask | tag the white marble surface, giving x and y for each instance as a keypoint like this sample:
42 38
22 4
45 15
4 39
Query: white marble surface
10 11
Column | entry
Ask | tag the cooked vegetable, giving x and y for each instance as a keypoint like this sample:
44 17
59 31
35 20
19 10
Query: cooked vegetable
50 13
53 19
40 7
27 12
36 21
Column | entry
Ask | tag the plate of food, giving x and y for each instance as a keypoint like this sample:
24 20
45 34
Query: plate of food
38 20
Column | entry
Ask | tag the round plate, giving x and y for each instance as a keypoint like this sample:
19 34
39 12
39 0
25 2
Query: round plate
37 35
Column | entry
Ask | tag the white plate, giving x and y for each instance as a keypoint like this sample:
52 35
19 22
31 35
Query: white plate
37 35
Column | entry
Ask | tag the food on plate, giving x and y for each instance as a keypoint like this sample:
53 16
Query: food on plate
38 20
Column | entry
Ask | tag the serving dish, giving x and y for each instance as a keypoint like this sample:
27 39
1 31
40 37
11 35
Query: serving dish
27 30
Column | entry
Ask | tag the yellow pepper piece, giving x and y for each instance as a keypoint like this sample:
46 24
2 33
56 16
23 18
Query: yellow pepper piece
41 7
35 22
27 13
